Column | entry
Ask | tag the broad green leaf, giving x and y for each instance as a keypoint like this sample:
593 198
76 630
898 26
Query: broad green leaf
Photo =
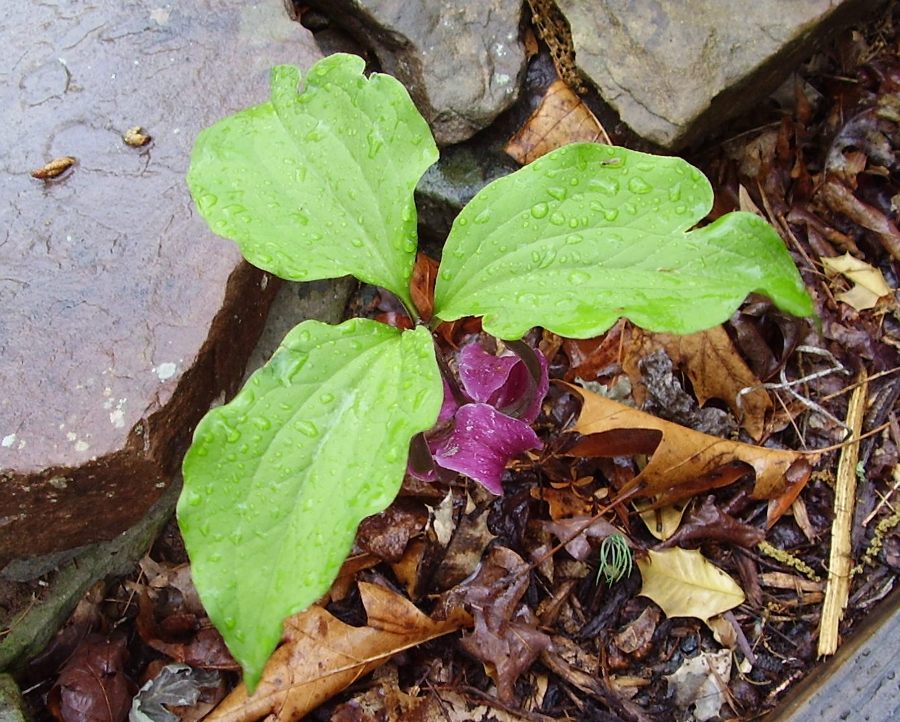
685 584
590 233
319 184
278 479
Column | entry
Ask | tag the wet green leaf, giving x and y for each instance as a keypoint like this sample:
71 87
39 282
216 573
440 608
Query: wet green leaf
278 479
319 184
590 233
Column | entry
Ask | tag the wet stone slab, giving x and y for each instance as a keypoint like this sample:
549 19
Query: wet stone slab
674 71
121 316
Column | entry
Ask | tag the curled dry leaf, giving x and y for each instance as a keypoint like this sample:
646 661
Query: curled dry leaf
685 584
710 523
321 656
561 118
683 462
715 368
868 282
54 168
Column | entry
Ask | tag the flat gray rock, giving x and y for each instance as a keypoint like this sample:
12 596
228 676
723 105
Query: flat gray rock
460 60
676 70
121 316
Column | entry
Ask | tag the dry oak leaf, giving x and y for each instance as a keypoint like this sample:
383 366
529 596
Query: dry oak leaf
560 119
320 656
868 282
685 584
683 462
715 368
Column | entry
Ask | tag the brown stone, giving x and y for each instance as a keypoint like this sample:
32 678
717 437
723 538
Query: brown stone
121 316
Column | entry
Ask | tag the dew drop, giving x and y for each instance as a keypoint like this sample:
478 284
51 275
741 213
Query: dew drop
374 142
539 210
483 217
610 214
579 277
639 185
557 218
607 186
557 193
307 428
356 242
326 398
261 423
229 622
574 239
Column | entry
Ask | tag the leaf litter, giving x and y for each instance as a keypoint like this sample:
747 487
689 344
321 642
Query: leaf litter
522 628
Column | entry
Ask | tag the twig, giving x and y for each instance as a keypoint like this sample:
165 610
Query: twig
837 591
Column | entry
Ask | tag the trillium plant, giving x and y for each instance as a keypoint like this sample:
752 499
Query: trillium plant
318 183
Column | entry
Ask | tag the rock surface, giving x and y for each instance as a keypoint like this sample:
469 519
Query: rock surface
461 61
122 316
675 70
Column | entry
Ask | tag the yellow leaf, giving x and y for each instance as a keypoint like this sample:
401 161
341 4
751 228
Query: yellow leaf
868 282
662 522
684 584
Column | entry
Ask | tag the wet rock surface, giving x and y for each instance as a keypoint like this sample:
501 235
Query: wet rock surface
122 316
675 71
461 61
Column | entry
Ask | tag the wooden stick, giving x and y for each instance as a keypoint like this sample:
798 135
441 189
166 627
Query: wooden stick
840 562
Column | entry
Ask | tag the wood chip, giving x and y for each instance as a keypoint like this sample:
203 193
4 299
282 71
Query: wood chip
840 560
54 168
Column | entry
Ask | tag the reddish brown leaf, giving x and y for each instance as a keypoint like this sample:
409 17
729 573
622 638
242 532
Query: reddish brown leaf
561 118
92 686
421 285
709 523
635 639
321 656
386 534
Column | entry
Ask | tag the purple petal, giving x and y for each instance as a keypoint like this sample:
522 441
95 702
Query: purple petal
481 443
449 406
502 381
482 373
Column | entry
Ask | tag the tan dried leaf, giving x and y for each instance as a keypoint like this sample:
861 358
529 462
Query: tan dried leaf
321 656
868 282
683 462
560 119
54 168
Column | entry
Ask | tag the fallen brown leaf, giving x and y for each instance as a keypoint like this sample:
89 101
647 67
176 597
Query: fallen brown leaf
321 656
54 168
92 686
710 523
683 462
561 118
868 282
715 369
505 638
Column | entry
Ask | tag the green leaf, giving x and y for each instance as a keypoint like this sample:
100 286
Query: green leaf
277 480
319 184
590 233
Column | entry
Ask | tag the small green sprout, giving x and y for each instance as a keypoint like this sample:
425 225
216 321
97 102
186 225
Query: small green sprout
615 559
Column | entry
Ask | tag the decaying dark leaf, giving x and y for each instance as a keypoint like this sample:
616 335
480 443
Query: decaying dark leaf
54 168
505 636
176 685
92 686
635 639
386 534
710 523
577 531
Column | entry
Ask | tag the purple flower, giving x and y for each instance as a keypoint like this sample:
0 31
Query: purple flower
477 438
